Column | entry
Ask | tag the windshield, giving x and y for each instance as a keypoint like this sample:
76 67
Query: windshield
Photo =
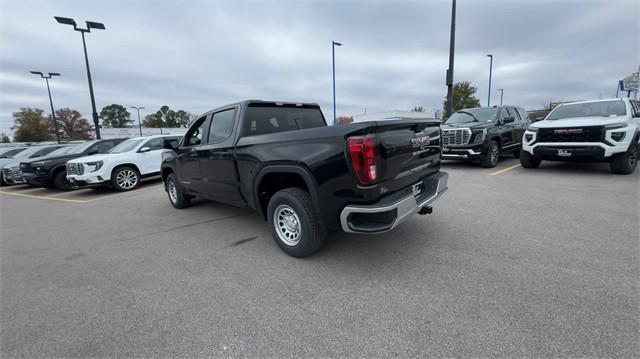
126 146
12 152
589 109
62 151
81 148
474 114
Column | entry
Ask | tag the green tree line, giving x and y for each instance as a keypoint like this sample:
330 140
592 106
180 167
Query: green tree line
34 125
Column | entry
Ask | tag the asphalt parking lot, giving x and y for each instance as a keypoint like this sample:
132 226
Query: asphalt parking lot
513 262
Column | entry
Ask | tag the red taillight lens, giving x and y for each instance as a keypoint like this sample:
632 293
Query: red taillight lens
364 158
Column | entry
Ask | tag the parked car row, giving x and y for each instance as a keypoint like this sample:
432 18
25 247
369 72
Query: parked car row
119 163
591 131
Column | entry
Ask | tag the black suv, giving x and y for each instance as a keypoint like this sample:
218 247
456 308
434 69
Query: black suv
51 171
484 133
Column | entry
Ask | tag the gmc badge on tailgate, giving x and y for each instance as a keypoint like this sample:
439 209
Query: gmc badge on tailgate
420 142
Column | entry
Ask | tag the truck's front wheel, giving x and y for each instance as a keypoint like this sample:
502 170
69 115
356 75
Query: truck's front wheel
527 160
294 223
176 197
490 160
625 163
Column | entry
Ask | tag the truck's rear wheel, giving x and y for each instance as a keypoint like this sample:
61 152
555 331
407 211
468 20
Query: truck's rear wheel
625 163
177 198
294 223
527 160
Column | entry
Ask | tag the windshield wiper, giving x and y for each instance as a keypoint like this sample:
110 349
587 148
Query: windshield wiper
475 119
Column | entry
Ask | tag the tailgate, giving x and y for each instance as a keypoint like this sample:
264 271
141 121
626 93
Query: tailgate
409 150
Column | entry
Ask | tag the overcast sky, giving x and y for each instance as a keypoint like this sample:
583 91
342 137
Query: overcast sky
197 55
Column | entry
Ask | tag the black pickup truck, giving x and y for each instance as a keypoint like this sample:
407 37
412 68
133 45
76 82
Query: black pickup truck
307 179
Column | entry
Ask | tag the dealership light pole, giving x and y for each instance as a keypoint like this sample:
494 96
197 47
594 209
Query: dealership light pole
90 25
501 93
333 56
53 112
452 45
490 70
139 123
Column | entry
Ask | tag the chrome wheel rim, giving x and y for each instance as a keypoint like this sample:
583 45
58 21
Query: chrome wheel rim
494 154
287 225
127 179
173 192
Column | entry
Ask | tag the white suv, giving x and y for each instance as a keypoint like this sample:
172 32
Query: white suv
123 167
593 131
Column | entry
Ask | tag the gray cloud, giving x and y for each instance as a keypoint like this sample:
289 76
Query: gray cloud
196 55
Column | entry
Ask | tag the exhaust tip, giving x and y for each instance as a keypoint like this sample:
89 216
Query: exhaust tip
425 210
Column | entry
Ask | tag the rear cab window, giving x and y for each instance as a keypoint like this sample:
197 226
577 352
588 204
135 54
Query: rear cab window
264 118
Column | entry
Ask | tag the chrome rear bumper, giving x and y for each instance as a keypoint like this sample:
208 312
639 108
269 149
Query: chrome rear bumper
390 212
459 154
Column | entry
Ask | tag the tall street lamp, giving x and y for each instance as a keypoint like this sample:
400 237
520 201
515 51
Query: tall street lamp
490 69
53 112
501 93
90 25
333 55
452 45
139 123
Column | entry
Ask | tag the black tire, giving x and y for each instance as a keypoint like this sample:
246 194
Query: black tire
125 179
2 181
177 199
301 223
516 153
625 163
60 181
529 161
490 160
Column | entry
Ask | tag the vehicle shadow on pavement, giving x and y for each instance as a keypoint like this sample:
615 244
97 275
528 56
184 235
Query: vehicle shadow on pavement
581 168
505 161
20 188
379 248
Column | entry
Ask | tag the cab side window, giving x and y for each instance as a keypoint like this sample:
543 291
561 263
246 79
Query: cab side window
635 108
524 115
196 132
221 126
506 113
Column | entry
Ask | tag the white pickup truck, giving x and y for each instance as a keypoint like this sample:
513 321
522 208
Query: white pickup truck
591 131
123 167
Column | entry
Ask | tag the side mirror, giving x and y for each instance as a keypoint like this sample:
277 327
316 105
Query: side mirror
508 119
93 152
145 149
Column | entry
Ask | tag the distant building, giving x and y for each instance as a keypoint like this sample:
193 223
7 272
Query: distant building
135 132
394 115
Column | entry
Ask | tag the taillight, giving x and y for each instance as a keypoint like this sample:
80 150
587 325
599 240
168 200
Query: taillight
364 158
